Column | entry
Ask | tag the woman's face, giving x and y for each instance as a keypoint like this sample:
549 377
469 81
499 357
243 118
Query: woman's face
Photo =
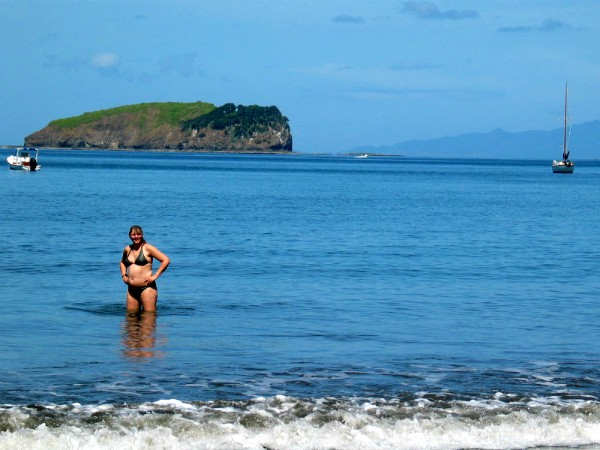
136 236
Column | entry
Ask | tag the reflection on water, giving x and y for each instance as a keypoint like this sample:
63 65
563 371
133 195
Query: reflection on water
139 335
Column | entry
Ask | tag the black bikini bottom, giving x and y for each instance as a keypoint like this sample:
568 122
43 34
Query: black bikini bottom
136 291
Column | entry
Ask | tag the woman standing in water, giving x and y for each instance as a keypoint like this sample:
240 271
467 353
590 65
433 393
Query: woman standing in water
136 271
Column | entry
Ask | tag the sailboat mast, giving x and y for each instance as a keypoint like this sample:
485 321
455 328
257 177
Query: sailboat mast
565 151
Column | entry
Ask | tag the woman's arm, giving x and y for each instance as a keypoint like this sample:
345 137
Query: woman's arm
159 256
123 267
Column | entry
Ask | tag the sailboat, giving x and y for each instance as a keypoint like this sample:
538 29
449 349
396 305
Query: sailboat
565 165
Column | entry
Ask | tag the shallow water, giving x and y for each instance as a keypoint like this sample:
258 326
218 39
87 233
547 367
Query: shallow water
312 302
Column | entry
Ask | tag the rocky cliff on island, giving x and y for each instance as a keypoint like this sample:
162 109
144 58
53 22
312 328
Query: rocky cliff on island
171 126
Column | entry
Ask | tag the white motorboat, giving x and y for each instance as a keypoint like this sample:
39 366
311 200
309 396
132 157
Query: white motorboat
26 158
565 165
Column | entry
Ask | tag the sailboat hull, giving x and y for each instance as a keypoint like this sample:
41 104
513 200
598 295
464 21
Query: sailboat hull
562 166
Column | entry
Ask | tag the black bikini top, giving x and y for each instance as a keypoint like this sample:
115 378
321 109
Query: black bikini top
139 261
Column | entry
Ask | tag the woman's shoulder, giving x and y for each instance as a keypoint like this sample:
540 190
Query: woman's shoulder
149 247
154 251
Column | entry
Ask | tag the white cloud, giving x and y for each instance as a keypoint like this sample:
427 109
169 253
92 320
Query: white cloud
105 61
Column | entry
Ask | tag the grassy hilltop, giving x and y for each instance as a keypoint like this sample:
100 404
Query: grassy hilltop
148 114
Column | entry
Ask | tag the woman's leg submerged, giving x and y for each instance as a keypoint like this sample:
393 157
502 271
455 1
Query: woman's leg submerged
133 304
149 297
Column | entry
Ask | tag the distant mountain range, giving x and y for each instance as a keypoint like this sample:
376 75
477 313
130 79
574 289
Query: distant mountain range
584 143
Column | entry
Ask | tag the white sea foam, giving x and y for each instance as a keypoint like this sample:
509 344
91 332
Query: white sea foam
289 423
407 434
175 404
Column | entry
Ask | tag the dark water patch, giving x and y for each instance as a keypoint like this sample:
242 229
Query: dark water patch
114 309
118 309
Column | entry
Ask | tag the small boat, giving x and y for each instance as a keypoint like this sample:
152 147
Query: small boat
26 158
362 155
565 165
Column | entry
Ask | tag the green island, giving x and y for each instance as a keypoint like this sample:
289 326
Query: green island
195 126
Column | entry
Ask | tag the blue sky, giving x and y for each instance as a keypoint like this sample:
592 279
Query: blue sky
346 73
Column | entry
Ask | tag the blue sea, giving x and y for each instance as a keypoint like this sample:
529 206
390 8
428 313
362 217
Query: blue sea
312 302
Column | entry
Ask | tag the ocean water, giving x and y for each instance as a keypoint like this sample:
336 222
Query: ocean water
312 302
